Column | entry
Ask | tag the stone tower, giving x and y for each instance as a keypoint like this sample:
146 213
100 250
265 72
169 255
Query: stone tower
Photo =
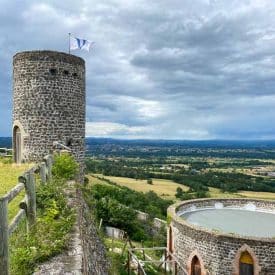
48 104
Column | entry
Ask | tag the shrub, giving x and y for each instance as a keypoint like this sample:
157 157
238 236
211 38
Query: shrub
179 193
6 160
115 214
64 166
86 181
115 206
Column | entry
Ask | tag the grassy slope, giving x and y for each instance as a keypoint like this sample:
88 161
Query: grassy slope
167 188
164 188
8 179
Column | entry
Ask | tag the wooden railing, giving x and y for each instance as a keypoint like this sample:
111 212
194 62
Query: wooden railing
168 264
6 152
27 207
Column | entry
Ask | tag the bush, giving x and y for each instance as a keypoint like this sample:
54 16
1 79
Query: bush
115 214
65 167
6 160
136 200
115 206
179 193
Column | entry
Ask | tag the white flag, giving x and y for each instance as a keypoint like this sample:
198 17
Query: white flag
80 44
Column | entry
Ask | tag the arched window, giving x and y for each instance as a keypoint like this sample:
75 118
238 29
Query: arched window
195 266
246 264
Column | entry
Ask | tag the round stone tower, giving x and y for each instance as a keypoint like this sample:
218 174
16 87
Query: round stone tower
48 104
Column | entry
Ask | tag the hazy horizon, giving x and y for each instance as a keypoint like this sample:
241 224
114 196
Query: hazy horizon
175 140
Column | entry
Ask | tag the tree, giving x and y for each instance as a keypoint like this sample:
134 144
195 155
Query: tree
65 166
179 193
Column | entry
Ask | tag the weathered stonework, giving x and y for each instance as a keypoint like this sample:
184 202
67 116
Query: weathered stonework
95 261
49 103
219 253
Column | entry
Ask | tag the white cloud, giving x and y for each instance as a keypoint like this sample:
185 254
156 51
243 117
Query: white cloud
109 129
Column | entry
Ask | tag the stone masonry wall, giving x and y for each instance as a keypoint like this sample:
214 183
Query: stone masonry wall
217 251
49 102
95 260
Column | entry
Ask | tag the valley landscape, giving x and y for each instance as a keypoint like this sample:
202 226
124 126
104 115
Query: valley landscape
200 169
124 176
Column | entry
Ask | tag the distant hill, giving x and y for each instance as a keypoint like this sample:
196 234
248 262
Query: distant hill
5 142
228 144
234 144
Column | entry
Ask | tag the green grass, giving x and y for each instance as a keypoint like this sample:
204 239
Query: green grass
119 261
258 195
94 180
9 174
164 188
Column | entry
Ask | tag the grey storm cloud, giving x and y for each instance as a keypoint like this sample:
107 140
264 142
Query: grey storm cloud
158 69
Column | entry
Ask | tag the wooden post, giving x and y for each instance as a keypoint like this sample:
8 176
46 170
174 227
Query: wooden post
50 167
100 224
124 247
4 235
113 235
129 263
143 252
49 162
43 172
130 242
165 259
31 195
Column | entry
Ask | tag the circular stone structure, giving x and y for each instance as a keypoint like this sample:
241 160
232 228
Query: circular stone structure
223 236
48 104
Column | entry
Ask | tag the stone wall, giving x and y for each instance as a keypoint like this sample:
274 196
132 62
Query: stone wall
49 102
219 253
142 216
94 260
158 223
114 232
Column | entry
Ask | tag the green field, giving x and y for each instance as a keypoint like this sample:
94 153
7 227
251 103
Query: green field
9 174
164 188
167 188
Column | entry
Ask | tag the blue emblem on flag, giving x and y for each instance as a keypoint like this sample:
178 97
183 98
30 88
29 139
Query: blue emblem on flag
80 44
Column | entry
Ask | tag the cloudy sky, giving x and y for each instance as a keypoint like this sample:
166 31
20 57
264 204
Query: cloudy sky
173 69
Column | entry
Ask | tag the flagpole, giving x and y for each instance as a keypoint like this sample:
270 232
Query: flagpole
69 43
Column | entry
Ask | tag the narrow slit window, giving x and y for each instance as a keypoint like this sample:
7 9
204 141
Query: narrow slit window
53 71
